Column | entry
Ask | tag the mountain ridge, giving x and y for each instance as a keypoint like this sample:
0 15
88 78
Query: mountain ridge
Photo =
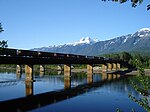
136 42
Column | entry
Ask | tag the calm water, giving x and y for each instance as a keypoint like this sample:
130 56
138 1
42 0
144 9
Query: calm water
80 93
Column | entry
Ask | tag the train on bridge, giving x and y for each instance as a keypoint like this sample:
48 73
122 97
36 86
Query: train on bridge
41 54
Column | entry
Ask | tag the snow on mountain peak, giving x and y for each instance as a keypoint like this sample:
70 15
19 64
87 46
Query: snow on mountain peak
86 40
144 29
144 32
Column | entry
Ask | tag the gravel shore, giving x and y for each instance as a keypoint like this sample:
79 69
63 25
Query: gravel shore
133 72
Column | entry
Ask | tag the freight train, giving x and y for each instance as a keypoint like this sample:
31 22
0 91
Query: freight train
41 54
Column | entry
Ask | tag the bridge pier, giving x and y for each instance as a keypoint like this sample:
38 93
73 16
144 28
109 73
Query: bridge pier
114 66
118 66
104 68
89 68
109 65
67 70
59 68
29 69
42 68
29 72
18 69
18 75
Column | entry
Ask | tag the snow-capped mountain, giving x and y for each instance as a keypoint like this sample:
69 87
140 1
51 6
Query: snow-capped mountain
136 42
142 32
82 41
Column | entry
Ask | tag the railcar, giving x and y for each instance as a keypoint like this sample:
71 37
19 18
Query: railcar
73 56
81 56
68 55
63 56
106 59
45 54
90 57
8 52
27 53
100 58
95 57
60 55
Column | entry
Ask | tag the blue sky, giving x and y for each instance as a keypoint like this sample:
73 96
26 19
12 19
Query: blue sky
36 23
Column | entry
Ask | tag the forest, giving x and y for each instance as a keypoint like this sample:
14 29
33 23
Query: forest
135 59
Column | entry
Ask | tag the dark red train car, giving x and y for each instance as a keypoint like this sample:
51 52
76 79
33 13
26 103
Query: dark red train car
27 53
8 52
45 54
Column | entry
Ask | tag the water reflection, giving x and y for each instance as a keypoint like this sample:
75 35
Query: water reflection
47 98
89 78
67 82
50 89
29 88
42 74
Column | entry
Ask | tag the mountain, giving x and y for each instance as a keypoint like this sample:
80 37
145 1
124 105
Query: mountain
137 42
83 41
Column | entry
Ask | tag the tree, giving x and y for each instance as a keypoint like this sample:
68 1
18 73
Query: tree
125 56
133 2
1 28
148 7
3 43
142 85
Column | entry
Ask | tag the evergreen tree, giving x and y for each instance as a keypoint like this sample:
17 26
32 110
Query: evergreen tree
133 2
3 43
1 28
136 60
125 56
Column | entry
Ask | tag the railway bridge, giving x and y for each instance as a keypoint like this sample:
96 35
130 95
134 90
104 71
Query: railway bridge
31 58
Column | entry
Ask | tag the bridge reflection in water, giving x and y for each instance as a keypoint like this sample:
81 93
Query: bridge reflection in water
32 101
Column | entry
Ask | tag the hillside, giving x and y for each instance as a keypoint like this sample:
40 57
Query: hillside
137 42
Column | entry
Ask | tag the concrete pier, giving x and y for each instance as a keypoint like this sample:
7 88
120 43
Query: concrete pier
118 66
18 69
29 69
89 68
104 68
109 65
67 70
42 68
18 75
114 66
29 72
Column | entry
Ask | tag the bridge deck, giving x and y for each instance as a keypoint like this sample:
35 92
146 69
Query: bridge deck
15 56
29 60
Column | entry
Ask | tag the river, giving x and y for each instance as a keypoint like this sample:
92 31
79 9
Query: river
51 92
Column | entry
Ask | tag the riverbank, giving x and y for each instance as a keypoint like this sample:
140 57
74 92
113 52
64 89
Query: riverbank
135 72
127 72
95 70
